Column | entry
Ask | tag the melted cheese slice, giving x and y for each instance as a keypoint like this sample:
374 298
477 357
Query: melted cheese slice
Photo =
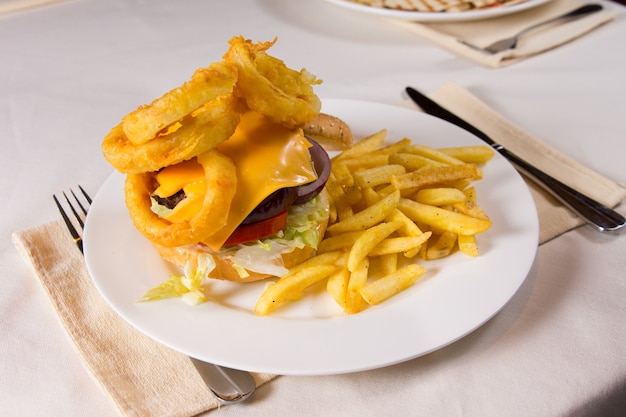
188 176
267 156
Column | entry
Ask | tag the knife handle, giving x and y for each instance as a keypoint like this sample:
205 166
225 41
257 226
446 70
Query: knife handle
596 214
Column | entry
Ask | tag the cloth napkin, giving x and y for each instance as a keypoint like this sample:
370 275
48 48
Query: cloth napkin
484 32
145 378
142 376
10 6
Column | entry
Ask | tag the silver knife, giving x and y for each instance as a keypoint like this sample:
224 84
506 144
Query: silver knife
601 217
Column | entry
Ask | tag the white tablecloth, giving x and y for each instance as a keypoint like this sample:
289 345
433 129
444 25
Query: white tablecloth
70 70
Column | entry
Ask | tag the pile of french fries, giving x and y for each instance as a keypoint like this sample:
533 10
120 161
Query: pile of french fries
391 207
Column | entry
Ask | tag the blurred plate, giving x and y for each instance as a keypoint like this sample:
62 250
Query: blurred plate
313 336
439 16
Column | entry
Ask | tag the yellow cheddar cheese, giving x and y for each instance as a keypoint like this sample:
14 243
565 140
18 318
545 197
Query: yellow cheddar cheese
268 157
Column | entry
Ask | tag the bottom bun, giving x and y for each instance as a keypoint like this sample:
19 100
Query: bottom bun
224 268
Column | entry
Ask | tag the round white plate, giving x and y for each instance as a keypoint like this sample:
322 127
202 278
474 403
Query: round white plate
313 336
439 16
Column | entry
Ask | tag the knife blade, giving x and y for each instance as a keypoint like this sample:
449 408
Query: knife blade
596 214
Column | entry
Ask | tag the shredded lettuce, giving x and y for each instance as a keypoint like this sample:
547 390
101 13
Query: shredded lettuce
258 259
303 220
264 256
188 286
158 209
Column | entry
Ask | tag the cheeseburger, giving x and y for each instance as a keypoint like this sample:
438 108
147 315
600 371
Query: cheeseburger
278 212
223 170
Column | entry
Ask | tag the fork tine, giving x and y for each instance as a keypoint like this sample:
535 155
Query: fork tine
85 194
76 215
68 222
66 219
77 239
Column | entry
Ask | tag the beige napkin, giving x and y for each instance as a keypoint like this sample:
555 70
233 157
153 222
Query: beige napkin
10 6
146 378
554 219
484 32
143 377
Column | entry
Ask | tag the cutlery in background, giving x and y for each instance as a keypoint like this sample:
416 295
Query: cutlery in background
511 43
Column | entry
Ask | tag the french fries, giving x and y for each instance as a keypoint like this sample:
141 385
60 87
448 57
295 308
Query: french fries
337 286
364 146
391 284
470 154
368 241
291 287
393 207
443 219
356 283
440 196
435 176
368 217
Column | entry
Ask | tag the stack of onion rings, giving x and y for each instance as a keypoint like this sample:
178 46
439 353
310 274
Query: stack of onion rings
269 87
209 126
191 120
206 84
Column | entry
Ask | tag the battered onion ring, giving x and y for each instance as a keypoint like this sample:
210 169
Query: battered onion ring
209 126
221 178
206 84
271 88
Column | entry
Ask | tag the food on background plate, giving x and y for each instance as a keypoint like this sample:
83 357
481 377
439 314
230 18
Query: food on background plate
220 176
437 5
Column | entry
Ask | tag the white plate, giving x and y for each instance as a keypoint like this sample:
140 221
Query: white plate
313 336
436 16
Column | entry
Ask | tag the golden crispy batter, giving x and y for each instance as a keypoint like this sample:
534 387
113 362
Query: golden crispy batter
206 84
271 88
212 124
191 120
221 179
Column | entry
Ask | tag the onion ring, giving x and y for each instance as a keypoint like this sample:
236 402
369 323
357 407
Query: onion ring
206 84
207 127
221 181
271 88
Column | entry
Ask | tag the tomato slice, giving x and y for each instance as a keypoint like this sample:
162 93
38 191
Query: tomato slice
258 230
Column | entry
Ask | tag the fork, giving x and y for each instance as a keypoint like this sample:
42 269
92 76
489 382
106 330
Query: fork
76 235
511 43
228 385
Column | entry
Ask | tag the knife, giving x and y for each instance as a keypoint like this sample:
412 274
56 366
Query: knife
601 217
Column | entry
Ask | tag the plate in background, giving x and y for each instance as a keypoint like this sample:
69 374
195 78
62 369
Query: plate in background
439 16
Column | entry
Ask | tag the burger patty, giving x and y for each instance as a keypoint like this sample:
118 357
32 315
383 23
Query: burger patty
171 201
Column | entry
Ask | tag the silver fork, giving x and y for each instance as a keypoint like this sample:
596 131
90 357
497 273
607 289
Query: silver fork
80 218
228 385
511 43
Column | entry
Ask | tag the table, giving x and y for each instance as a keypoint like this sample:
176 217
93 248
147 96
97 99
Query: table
71 69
